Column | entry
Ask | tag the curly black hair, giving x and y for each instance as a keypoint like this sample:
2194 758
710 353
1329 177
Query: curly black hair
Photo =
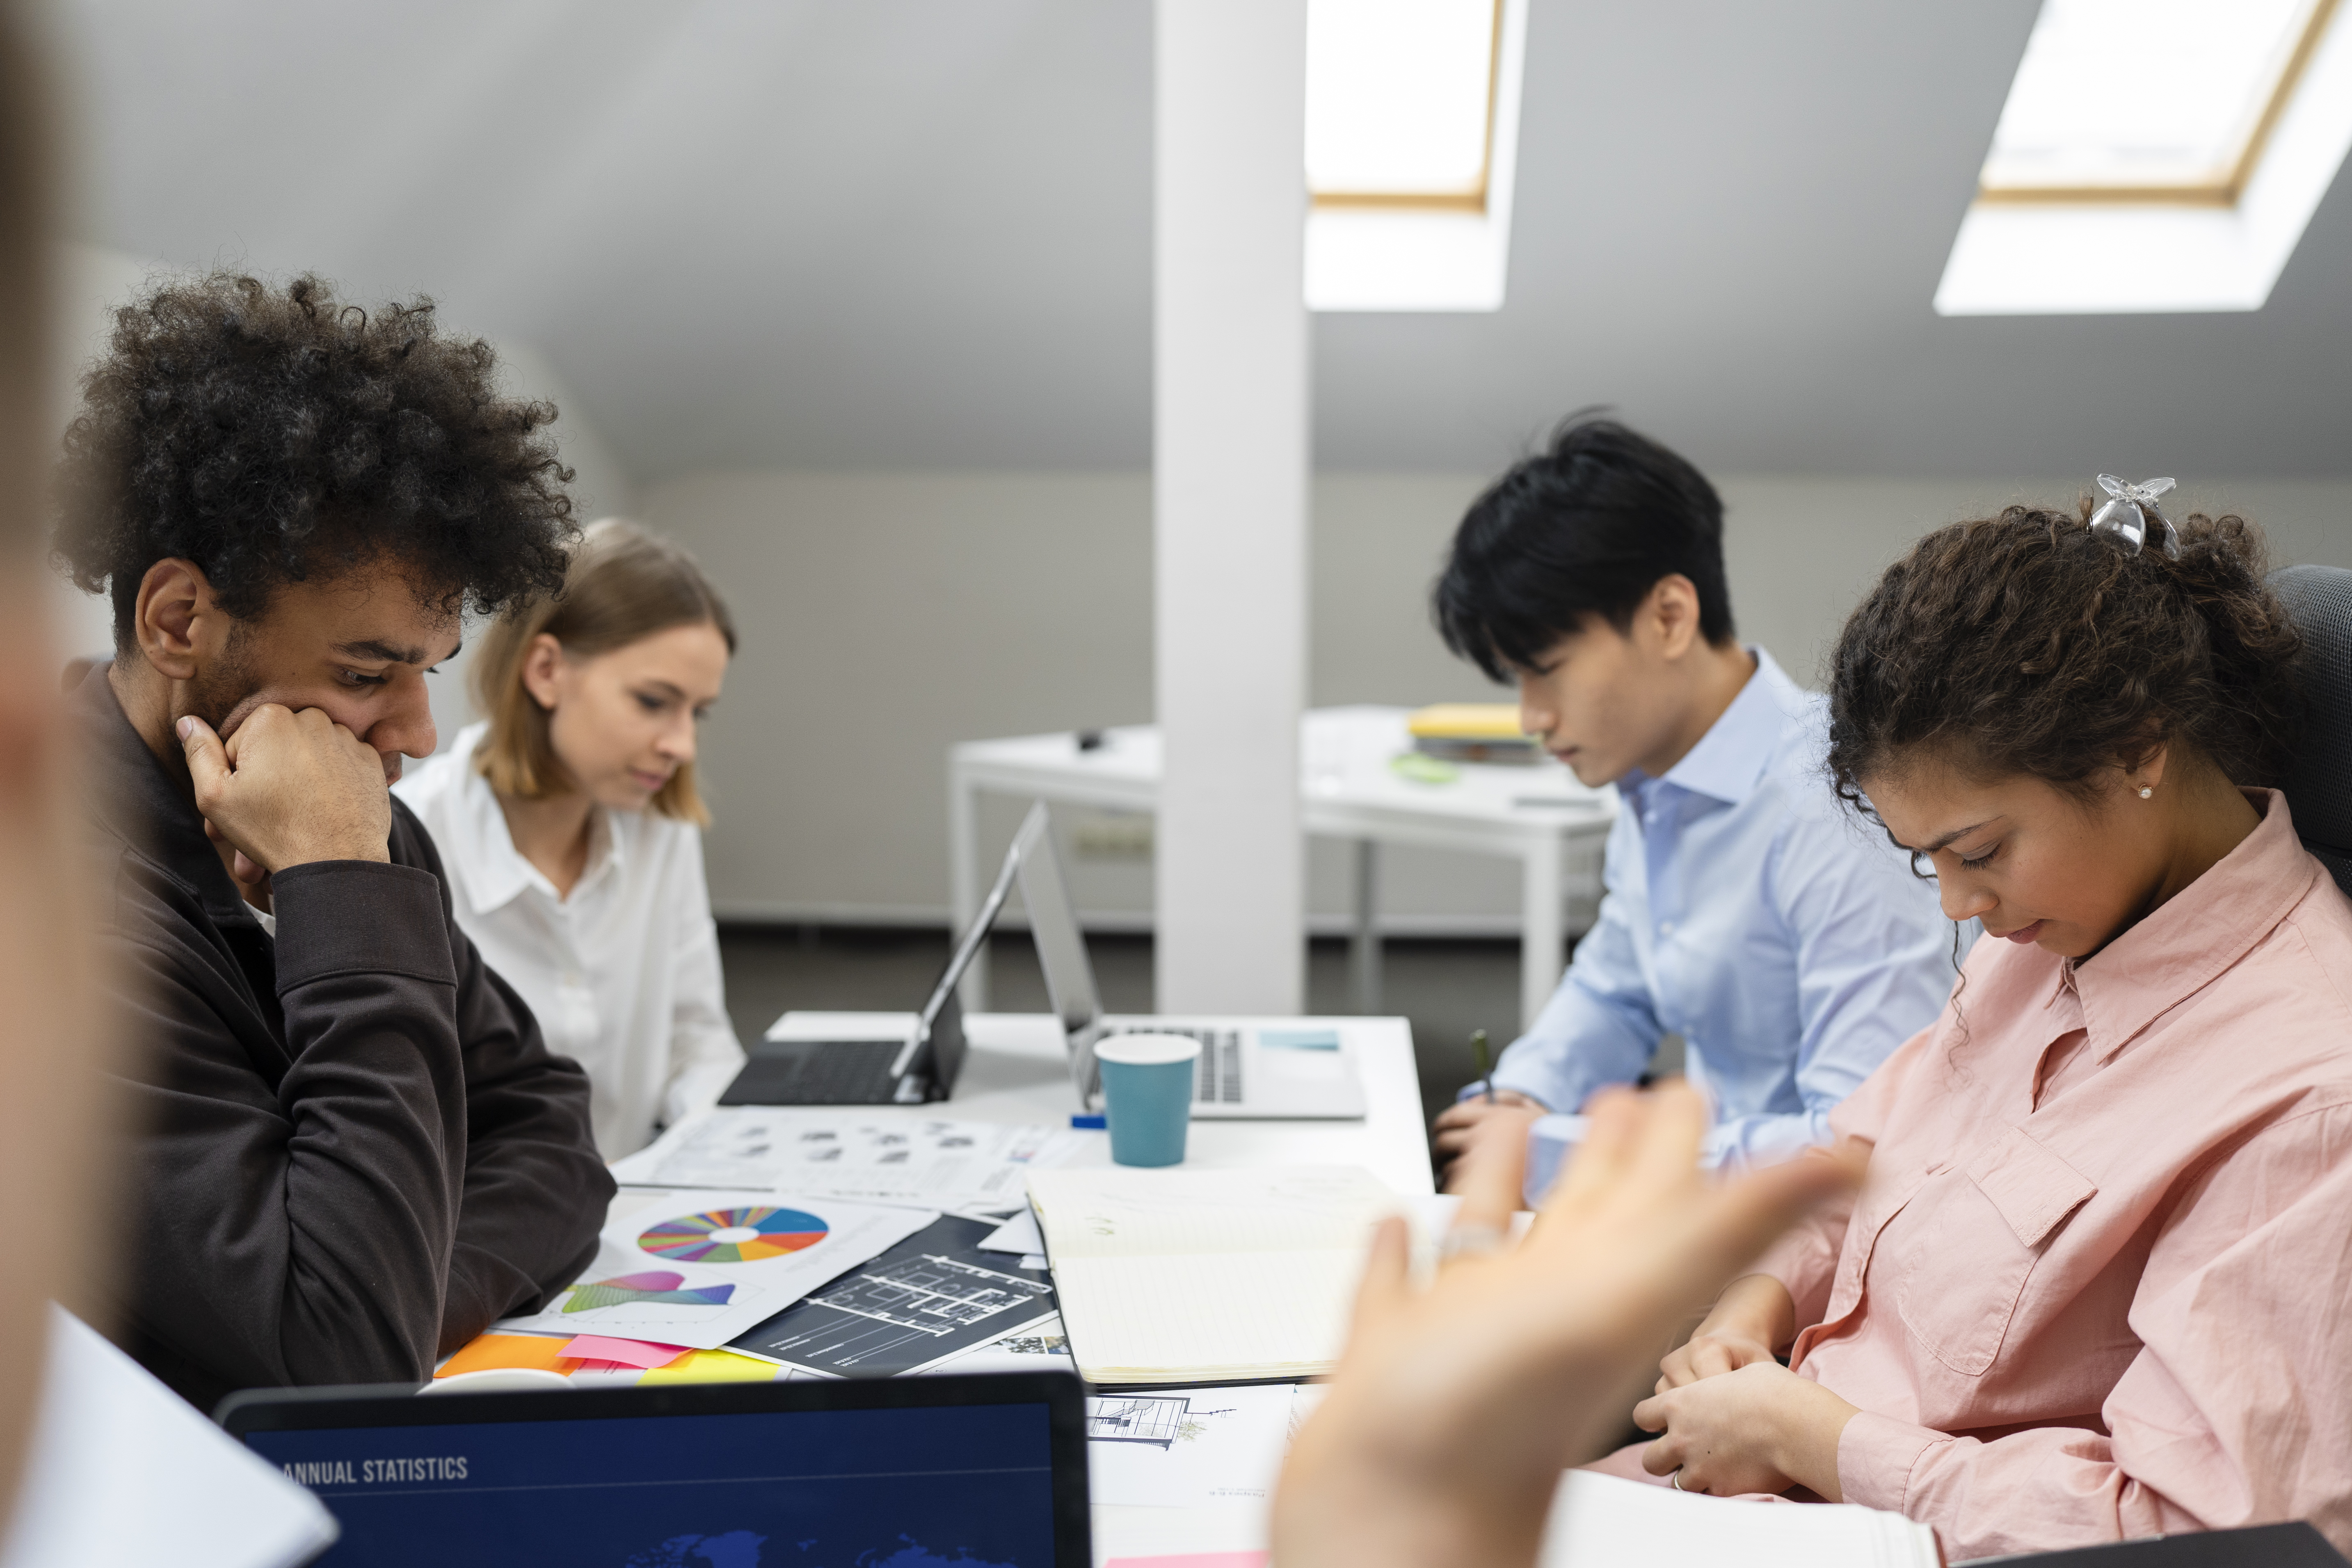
275 435
2028 644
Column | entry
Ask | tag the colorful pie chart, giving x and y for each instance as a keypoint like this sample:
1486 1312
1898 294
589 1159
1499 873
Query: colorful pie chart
734 1235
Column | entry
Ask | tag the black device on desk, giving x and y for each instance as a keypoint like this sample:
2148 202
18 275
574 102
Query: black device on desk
920 1066
989 1468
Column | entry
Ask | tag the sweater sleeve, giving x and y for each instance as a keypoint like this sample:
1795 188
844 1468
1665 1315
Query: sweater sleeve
533 1192
299 1208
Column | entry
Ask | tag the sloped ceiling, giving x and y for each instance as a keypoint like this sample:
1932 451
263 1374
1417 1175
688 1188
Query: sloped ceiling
909 234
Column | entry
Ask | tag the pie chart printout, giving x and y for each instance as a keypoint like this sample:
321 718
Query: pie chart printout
734 1235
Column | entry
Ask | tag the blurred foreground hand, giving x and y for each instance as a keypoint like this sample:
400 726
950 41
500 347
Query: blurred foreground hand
1456 1407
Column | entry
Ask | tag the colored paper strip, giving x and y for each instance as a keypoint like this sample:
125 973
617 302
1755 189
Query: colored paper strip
628 1352
713 1366
492 1352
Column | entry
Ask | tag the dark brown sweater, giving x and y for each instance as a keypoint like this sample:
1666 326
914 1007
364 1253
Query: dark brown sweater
352 1148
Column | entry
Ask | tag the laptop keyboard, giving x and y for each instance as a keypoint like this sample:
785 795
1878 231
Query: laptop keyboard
1219 1080
828 1073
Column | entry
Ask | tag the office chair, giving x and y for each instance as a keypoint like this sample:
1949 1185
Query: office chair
2319 780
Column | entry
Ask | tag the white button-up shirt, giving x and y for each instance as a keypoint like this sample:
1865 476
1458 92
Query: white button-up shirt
623 976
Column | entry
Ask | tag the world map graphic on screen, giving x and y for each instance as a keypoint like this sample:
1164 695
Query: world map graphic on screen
743 1548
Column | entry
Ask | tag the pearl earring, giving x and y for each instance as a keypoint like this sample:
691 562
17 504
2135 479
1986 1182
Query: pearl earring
2145 790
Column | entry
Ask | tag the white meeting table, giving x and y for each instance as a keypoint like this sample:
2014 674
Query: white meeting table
1347 790
1017 1072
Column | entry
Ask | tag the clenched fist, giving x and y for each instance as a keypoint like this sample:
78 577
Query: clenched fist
290 788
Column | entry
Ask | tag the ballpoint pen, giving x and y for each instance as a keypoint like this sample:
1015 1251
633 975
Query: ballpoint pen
1486 1069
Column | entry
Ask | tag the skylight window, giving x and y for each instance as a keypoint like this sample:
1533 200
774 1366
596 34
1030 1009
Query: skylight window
2155 155
1401 101
2148 100
1412 114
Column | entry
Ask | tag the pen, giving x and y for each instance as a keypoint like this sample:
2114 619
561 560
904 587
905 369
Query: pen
1486 1069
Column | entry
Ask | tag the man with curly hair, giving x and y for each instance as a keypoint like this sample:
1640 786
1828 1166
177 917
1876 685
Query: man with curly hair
353 1149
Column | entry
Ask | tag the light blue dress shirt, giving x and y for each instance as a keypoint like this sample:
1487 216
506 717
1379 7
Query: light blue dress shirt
1749 910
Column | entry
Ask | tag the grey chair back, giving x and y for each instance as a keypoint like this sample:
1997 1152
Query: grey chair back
2319 781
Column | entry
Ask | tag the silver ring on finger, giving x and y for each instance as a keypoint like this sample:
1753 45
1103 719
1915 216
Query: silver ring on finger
1470 1241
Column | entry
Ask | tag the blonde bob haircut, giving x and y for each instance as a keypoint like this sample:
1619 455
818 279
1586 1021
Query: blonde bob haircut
624 584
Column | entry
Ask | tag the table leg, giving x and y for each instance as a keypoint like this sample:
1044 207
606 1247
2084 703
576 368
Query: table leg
1540 933
1364 942
963 882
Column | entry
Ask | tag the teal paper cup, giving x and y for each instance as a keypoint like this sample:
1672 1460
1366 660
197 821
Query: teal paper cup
1147 1082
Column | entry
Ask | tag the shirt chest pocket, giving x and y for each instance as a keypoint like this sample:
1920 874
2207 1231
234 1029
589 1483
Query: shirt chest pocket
1968 1241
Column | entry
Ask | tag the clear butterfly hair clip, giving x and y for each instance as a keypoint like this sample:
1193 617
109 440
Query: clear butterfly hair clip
2130 512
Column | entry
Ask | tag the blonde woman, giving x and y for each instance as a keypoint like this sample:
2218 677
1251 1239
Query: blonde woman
570 824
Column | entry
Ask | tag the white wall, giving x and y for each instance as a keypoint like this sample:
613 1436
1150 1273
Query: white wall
600 487
883 616
886 616
90 281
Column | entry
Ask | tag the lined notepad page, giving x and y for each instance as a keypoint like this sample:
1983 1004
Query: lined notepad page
1207 1276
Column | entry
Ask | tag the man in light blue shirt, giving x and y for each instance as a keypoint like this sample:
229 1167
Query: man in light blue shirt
1745 909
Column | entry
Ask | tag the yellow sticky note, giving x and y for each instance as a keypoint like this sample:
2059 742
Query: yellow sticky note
712 1366
488 1352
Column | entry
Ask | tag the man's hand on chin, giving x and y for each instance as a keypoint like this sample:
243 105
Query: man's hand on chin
1471 1124
287 789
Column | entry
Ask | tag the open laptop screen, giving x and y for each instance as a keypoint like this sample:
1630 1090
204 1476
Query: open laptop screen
910 1484
1061 949
1054 927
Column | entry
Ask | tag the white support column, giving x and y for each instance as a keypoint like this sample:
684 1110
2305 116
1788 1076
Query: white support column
1230 439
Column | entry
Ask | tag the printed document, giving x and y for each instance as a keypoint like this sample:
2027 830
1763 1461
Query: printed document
931 1162
703 1267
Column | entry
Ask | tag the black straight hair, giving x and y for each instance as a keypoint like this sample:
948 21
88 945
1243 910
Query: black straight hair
1587 527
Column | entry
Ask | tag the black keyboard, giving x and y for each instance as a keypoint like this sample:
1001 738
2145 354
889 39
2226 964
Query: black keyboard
817 1072
1219 1080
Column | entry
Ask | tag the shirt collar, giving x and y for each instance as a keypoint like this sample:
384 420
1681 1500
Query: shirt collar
2185 944
1731 757
482 853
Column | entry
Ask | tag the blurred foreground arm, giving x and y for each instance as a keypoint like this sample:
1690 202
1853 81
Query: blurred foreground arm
1456 1407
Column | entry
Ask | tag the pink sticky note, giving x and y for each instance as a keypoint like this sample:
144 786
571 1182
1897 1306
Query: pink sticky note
627 1353
1194 1560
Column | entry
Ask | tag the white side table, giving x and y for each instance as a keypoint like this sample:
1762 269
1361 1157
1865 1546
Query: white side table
1347 790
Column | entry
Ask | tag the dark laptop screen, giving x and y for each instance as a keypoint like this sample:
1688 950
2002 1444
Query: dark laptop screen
906 1488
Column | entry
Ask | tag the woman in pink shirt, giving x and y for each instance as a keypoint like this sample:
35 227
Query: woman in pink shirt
2098 1283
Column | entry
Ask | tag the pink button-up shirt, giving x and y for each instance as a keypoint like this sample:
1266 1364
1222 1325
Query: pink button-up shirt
2099 1281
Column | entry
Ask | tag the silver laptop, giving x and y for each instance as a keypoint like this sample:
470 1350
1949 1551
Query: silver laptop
1250 1069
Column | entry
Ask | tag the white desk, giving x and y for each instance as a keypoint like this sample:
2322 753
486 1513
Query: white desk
1017 1072
1347 790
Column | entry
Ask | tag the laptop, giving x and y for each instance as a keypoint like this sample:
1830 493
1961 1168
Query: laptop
907 1069
986 1469
1249 1068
